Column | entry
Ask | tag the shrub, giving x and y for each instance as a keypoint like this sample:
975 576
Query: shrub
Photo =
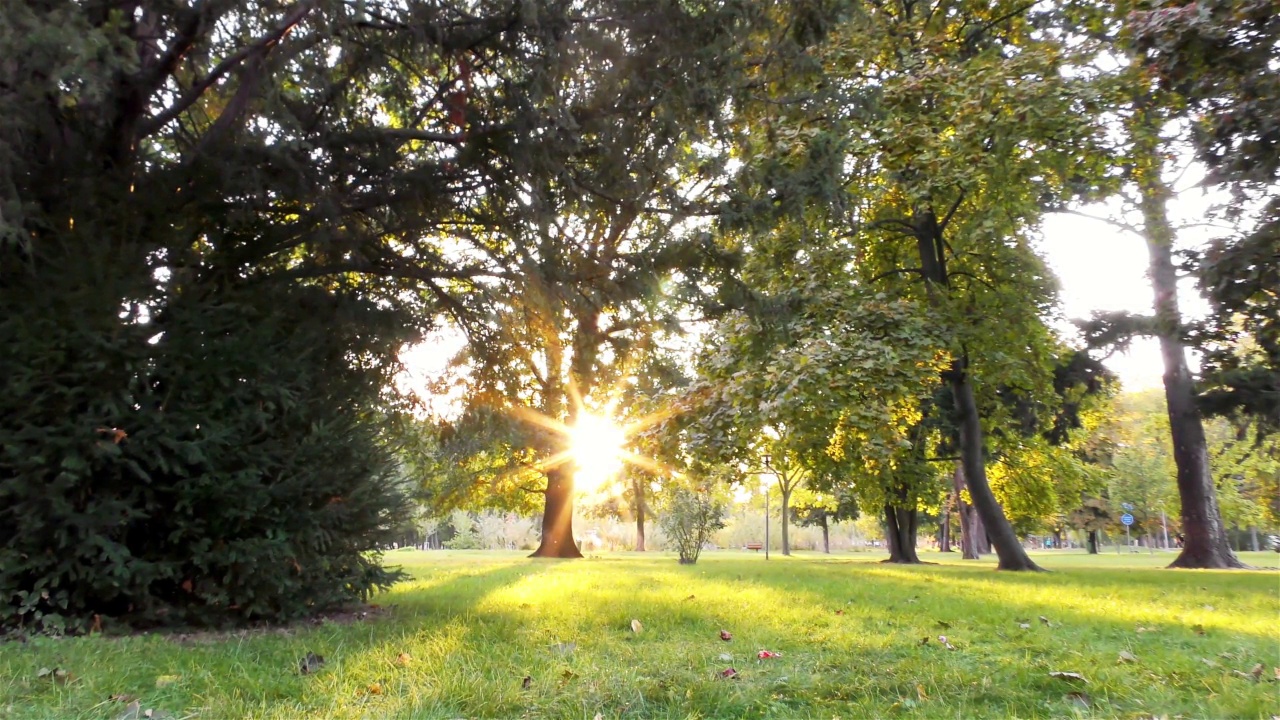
225 459
689 517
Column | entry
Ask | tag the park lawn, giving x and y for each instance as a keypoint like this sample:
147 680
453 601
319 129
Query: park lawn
856 640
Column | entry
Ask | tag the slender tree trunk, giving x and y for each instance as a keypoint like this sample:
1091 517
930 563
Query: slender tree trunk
639 499
826 536
969 531
1093 542
557 516
1008 549
1206 543
900 532
944 529
786 541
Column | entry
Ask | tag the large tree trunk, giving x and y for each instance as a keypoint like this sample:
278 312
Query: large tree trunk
1206 537
786 501
638 489
900 532
557 516
1093 542
1008 549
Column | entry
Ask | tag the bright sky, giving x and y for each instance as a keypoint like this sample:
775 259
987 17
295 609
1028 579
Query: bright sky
1102 267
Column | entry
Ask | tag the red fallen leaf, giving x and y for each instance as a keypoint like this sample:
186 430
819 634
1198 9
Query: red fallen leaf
725 635
766 654
186 585
729 674
839 612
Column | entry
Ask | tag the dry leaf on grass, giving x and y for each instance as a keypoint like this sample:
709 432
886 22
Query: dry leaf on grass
56 675
767 654
1198 629
375 688
1126 657
1070 676
920 693
725 635
1024 626
726 657
526 683
729 674
636 627
403 660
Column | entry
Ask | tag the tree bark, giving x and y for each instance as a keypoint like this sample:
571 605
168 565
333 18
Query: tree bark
638 489
1008 549
786 541
826 536
557 516
1206 543
900 533
1253 536
969 524
1093 542
944 529
1057 538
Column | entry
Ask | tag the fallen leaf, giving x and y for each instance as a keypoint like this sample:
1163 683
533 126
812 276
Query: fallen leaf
924 640
920 693
375 688
167 680
1256 672
1198 629
56 675
599 716
568 674
839 612
403 660
729 674
766 654
526 683
726 657
1078 698
1025 626
636 627
725 635
944 624
911 600
1072 676
689 598
1045 620
122 698
1126 657
1209 608
1209 662
311 663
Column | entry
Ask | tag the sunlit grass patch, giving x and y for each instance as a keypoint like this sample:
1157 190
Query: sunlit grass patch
856 640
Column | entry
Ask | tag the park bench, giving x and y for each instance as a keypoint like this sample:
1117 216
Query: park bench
755 546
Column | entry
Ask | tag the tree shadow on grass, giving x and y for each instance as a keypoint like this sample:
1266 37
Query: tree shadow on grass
229 674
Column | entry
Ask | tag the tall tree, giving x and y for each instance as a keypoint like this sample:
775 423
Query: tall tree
1146 112
589 263
952 129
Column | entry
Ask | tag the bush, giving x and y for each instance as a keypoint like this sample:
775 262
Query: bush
224 458
689 517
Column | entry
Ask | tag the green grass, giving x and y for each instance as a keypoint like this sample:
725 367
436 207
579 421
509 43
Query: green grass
850 632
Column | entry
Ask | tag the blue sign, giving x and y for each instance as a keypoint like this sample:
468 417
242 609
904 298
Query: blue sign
1127 519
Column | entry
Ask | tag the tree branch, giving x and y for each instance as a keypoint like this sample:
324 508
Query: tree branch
257 47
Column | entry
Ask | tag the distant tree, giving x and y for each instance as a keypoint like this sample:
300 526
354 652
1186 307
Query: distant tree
822 511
